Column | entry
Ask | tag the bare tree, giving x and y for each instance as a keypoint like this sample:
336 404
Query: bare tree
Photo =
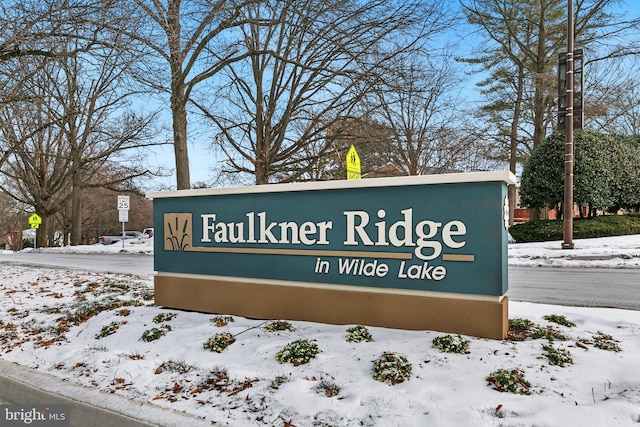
614 97
74 118
417 103
93 107
27 29
37 164
308 63
181 43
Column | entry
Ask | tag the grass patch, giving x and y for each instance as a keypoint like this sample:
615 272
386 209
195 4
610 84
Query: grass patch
327 388
279 380
177 366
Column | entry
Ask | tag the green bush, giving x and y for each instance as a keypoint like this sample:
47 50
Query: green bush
391 368
358 334
278 325
297 352
219 342
600 226
450 344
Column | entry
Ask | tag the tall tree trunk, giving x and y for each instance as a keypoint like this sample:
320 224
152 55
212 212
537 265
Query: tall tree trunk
178 95
179 112
513 139
76 207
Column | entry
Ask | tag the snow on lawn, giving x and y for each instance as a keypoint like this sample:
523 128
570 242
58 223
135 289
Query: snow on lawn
607 252
573 366
102 331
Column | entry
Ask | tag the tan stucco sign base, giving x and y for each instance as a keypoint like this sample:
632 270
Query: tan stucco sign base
481 318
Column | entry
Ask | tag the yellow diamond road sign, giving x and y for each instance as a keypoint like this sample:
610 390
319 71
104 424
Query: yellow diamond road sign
353 164
35 221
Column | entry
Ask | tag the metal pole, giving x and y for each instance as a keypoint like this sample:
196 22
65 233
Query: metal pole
122 234
567 215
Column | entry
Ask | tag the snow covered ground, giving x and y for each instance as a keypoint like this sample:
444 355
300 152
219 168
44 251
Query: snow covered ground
102 331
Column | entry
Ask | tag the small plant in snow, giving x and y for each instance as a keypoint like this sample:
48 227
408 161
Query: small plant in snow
560 320
110 329
548 333
220 321
155 333
278 325
391 368
297 352
520 323
219 342
178 366
557 356
134 356
164 317
450 344
279 380
519 329
358 334
328 388
511 381
603 342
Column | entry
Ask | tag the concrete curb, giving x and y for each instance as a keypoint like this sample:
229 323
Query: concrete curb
88 407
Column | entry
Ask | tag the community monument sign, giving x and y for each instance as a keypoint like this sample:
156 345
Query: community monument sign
423 252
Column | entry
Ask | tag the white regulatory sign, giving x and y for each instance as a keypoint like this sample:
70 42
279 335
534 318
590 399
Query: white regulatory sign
123 202
123 215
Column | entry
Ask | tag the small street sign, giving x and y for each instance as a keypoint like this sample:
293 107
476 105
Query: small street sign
353 164
35 220
123 215
123 202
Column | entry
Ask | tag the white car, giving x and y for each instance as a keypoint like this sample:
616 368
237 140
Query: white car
109 240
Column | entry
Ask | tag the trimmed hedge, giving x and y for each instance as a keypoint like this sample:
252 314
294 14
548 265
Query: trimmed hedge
600 226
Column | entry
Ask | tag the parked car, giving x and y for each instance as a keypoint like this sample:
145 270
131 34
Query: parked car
109 240
147 233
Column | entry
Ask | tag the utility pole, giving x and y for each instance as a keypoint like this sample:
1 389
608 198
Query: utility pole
567 214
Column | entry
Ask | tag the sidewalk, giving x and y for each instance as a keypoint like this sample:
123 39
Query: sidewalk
88 407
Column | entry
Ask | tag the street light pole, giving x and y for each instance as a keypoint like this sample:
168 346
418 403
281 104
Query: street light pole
567 214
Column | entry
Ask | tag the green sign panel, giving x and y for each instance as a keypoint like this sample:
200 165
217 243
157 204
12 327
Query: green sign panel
433 234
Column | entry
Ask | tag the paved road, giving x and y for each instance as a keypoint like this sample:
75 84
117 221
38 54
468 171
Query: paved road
586 287
120 263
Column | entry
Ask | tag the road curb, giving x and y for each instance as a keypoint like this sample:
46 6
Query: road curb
87 407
